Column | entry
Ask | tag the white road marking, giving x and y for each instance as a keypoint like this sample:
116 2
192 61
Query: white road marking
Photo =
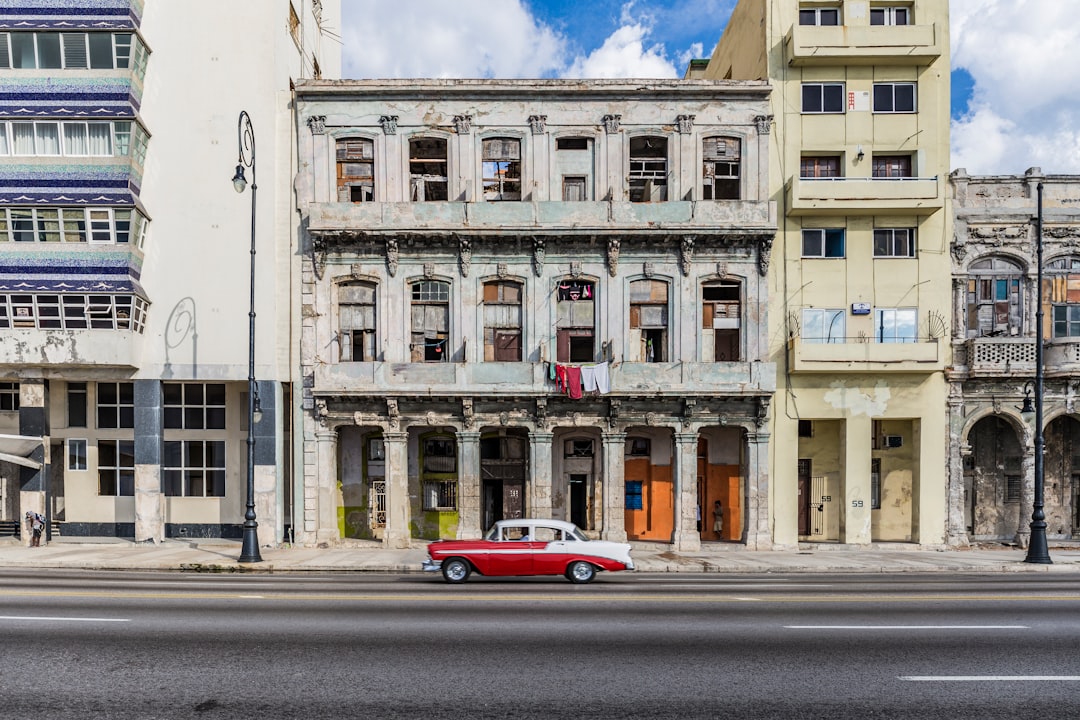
252 597
991 678
746 586
62 619
907 627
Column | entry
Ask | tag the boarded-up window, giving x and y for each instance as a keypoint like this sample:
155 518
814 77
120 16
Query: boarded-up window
648 321
575 321
994 300
720 176
1061 297
573 189
502 321
430 321
648 169
502 169
427 169
721 321
356 170
356 322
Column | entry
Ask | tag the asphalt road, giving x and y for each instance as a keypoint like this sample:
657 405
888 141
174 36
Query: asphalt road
149 645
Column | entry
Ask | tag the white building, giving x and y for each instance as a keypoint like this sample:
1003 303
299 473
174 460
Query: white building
125 253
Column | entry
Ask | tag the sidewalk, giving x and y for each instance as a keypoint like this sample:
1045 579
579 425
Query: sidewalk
215 555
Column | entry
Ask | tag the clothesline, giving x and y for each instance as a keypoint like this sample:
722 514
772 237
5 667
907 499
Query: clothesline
573 379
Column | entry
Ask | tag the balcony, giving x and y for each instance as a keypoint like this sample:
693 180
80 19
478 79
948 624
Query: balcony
998 356
864 196
68 349
856 355
1061 357
864 44
506 217
492 379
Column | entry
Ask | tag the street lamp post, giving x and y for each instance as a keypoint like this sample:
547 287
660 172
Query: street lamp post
245 135
1037 548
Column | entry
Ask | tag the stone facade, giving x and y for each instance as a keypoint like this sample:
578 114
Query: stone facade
465 242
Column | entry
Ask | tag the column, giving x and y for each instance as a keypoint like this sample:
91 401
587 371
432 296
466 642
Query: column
468 485
540 474
267 453
149 494
956 527
614 528
33 483
320 502
855 500
757 492
1027 494
397 534
686 536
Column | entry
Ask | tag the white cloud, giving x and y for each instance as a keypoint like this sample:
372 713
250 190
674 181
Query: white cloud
1025 108
624 55
437 38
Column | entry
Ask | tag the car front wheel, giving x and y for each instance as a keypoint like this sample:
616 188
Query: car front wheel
455 570
580 572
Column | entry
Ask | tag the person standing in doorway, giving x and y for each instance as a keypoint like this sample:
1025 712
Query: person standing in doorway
37 525
718 519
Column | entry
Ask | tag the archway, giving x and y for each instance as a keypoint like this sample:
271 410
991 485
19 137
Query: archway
994 479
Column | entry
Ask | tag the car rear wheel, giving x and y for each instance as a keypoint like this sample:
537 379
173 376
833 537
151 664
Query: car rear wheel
580 572
455 570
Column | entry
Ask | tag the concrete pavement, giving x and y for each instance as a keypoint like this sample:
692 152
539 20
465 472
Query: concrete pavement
215 555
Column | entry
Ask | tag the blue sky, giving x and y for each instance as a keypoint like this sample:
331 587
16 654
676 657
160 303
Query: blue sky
1016 93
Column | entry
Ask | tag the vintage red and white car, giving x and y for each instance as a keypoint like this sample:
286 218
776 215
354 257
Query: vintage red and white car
528 547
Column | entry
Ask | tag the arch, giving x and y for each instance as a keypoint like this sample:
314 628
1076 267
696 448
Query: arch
1019 426
1000 260
996 473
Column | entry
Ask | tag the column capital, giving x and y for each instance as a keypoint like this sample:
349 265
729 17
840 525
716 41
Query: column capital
613 437
467 435
326 435
395 437
540 436
686 437
758 437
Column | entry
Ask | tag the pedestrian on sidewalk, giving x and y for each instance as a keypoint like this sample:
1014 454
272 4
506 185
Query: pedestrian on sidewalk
718 519
37 524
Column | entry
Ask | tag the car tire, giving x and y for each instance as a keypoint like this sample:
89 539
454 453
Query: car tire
456 570
580 571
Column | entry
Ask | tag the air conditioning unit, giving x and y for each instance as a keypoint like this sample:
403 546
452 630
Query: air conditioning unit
894 441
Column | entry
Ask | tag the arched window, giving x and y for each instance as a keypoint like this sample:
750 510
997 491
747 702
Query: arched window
648 321
502 321
720 177
427 169
356 170
994 302
430 321
648 169
356 321
721 314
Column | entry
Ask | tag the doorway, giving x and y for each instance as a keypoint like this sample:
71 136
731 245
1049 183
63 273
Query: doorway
804 497
578 489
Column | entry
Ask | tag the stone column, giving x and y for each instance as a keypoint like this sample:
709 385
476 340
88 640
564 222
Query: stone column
684 468
320 503
614 487
758 536
1027 493
540 474
855 500
468 485
956 527
398 534
267 453
34 483
149 495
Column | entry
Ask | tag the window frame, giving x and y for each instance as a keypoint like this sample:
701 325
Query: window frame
355 151
422 183
890 238
719 159
889 15
569 330
821 86
890 164
77 453
825 237
881 313
655 338
194 402
501 322
500 172
644 174
824 167
9 397
180 475
124 409
818 12
124 477
425 293
123 48
1069 322
880 95
119 137
91 225
349 338
830 317
440 495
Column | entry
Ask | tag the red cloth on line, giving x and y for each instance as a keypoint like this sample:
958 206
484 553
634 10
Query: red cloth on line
560 378
573 382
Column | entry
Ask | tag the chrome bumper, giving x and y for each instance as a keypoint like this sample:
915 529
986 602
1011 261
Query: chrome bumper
430 565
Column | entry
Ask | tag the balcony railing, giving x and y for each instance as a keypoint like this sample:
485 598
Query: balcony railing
864 195
921 355
863 44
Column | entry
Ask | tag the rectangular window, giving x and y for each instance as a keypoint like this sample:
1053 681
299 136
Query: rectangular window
820 325
428 169
440 495
721 320
806 428
115 405
894 242
720 177
1012 488
895 325
356 317
356 170
633 495
648 169
823 243
9 396
575 312
823 166
819 16
76 454
430 321
502 169
116 468
1066 321
890 16
823 97
648 321
76 404
194 406
897 97
194 468
502 321
892 166
875 484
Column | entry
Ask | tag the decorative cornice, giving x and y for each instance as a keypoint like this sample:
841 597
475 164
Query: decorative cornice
612 123
538 124
317 124
462 124
685 124
389 124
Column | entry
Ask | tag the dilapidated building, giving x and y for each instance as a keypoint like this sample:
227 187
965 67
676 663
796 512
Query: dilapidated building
995 300
535 298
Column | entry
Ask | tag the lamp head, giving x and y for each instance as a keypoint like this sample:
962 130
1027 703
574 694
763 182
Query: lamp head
239 181
1028 410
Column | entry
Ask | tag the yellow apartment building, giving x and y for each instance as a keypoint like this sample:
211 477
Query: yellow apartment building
859 281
